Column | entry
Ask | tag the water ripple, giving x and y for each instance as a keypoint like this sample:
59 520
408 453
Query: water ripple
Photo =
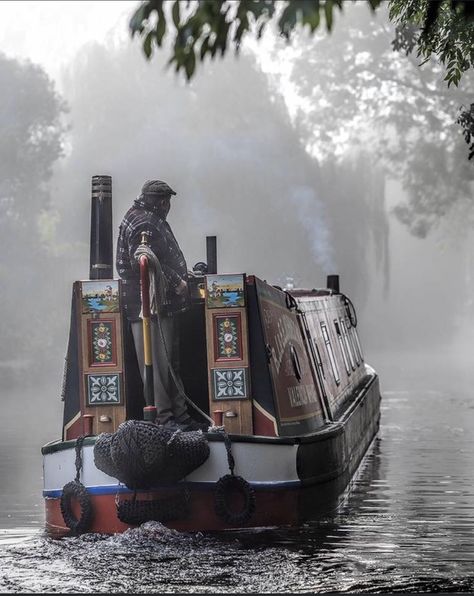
406 524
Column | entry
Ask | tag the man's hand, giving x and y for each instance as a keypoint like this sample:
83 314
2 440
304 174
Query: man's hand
181 288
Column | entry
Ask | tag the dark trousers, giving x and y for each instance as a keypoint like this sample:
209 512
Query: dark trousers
165 352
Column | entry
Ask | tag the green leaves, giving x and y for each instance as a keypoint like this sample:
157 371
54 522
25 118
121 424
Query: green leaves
147 44
208 27
176 15
140 16
466 120
446 31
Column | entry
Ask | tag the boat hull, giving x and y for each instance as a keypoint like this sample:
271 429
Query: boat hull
293 479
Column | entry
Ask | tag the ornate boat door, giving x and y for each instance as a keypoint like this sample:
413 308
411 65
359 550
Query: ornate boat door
94 386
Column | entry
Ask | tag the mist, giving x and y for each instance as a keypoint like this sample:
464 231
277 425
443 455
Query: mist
244 171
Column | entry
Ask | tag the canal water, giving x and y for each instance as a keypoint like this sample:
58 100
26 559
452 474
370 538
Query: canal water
406 523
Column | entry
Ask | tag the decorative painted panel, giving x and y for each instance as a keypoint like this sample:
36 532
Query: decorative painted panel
227 337
225 291
100 296
103 390
296 396
229 383
102 343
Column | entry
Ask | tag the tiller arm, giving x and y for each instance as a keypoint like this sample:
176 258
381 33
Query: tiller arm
149 411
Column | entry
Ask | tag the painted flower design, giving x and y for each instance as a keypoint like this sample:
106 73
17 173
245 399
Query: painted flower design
102 343
228 338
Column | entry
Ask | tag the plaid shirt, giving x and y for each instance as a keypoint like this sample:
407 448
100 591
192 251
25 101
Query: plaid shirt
142 217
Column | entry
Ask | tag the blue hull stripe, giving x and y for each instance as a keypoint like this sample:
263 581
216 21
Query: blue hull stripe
119 489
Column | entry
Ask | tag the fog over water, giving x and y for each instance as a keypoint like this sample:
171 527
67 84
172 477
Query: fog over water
231 146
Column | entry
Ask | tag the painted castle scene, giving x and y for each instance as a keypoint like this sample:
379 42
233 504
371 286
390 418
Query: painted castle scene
100 296
225 290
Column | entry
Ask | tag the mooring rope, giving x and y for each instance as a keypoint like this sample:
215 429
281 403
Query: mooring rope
230 457
78 461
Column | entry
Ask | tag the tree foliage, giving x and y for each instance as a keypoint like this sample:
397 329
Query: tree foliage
364 96
466 120
208 27
30 143
444 29
31 133
434 28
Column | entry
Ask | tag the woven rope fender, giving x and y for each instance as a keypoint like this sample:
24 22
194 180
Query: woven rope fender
140 454
136 512
76 490
227 486
102 458
186 451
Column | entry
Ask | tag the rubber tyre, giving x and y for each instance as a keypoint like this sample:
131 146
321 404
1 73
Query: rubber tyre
76 490
224 487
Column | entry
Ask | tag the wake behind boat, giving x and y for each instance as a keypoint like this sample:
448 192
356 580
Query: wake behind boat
278 374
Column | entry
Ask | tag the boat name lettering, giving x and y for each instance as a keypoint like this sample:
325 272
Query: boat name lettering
301 395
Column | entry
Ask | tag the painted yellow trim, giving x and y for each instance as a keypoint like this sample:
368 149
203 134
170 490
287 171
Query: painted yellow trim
267 415
71 422
147 341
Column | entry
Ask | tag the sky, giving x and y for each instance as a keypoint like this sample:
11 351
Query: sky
54 31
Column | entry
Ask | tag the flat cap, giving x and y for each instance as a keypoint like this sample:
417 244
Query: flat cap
157 188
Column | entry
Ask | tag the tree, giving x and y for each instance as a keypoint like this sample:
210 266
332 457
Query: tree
30 143
442 28
364 96
209 27
31 132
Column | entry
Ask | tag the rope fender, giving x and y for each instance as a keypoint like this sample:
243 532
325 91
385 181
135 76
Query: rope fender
232 484
76 490
226 485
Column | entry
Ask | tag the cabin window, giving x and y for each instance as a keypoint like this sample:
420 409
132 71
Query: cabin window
350 337
319 362
343 346
349 346
330 352
357 343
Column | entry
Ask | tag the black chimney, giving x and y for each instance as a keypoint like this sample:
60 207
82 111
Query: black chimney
333 283
211 251
101 257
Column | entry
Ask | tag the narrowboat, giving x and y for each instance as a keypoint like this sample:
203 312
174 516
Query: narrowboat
277 375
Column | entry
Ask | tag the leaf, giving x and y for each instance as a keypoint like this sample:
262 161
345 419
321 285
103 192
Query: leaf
147 44
312 18
287 21
190 64
374 4
160 27
204 47
328 10
136 22
176 14
260 30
